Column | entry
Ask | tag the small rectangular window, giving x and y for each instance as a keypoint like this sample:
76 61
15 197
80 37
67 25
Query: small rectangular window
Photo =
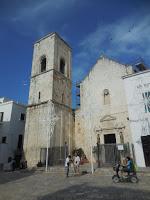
20 142
1 116
39 95
22 117
4 140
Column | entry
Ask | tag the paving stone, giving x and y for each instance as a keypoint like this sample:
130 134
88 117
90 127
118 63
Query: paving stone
53 186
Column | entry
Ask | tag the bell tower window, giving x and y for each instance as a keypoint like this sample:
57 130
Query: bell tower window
62 66
43 64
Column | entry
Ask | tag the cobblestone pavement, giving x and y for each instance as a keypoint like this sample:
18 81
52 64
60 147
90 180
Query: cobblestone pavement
54 186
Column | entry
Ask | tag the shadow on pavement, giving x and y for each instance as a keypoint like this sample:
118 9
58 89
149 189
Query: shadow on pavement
6 177
85 192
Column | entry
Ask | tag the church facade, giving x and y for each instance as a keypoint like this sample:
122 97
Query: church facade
103 109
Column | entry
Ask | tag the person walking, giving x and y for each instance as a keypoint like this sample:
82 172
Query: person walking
67 164
76 163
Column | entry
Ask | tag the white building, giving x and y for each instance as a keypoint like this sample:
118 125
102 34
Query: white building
137 87
12 122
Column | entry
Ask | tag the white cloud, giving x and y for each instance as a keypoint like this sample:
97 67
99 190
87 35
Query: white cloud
37 8
125 39
135 34
128 36
41 16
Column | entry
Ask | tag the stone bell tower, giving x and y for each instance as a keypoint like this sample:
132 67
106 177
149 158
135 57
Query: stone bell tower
50 81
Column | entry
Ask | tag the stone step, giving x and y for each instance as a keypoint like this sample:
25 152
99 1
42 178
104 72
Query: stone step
109 171
106 171
61 169
85 168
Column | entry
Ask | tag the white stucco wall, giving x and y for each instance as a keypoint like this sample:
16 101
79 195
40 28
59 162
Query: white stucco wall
4 130
139 119
11 128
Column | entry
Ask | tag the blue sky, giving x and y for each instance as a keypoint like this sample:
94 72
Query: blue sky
119 29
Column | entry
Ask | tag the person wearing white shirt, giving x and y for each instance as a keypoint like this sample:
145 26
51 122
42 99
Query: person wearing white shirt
67 164
76 163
